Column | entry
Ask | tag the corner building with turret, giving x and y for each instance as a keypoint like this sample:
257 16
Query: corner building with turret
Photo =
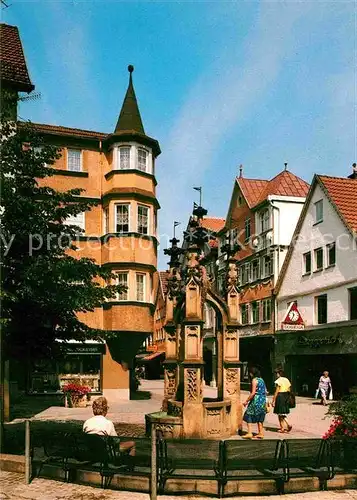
120 233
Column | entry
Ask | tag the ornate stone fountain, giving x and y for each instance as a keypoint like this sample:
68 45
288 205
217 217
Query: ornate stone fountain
185 412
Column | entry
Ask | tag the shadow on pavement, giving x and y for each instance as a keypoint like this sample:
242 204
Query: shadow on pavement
27 406
140 395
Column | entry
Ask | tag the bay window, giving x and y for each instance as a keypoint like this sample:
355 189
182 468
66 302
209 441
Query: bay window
143 219
122 218
142 159
124 157
122 279
140 287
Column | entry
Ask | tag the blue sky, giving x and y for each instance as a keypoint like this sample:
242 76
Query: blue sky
218 84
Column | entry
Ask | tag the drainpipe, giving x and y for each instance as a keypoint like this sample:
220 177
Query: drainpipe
278 256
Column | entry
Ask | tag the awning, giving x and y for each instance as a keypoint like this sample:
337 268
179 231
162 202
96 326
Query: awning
151 356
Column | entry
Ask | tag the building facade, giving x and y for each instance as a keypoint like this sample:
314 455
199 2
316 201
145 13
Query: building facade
316 295
261 219
120 233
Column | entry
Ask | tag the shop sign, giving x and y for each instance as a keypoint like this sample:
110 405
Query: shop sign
293 319
317 342
86 349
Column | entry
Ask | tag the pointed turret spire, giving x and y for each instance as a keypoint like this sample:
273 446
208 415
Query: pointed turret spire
129 118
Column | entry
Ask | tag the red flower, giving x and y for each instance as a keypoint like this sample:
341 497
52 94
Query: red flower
76 388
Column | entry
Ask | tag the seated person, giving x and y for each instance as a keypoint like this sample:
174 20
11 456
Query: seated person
101 425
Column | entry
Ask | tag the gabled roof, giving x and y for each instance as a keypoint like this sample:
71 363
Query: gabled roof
129 118
251 189
342 194
285 184
255 191
12 59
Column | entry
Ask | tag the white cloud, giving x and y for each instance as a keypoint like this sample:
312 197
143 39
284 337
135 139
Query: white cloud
221 97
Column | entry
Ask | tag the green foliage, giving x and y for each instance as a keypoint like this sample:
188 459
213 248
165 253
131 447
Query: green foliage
44 282
346 409
345 418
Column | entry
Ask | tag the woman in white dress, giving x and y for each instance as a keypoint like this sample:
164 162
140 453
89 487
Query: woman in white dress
325 387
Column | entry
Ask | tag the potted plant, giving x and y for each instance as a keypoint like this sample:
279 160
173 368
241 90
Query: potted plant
344 427
76 394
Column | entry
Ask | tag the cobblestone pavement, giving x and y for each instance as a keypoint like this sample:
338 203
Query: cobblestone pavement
13 487
308 419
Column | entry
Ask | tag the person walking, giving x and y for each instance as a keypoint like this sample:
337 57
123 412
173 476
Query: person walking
281 400
325 387
255 405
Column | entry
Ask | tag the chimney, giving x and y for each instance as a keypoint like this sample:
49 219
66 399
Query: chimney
354 172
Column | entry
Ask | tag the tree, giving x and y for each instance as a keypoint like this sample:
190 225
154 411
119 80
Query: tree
44 283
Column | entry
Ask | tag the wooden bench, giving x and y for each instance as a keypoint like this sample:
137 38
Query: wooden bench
308 458
253 460
190 459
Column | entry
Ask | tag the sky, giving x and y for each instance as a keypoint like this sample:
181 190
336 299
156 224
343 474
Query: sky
219 84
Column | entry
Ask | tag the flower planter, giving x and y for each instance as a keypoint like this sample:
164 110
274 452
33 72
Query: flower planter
76 396
78 400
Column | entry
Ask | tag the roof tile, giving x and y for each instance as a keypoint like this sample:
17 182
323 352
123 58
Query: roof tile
67 131
285 183
12 59
343 194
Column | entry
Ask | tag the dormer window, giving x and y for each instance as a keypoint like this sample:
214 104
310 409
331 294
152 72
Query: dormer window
142 159
124 158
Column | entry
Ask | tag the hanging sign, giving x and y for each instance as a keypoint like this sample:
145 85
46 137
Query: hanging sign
293 319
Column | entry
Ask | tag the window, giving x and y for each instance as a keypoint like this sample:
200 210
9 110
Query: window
142 159
319 259
353 303
39 150
255 270
239 201
124 158
106 220
74 160
143 219
307 263
234 236
122 279
266 307
244 314
247 232
255 312
140 287
321 309
331 254
245 273
319 211
76 220
264 221
122 218
268 266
